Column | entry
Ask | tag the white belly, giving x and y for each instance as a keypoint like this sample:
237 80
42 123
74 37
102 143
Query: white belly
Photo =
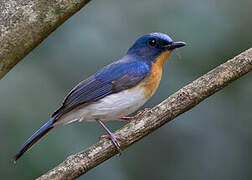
110 107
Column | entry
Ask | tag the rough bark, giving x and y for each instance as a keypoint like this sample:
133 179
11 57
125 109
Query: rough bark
25 23
178 103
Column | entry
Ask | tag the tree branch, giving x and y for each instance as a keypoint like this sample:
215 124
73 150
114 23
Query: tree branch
26 23
178 103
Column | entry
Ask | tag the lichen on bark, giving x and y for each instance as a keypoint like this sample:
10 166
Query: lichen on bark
25 23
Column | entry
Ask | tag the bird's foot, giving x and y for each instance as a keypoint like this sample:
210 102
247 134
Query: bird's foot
139 113
114 140
110 136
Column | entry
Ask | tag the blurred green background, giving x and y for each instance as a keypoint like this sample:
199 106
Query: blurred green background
211 141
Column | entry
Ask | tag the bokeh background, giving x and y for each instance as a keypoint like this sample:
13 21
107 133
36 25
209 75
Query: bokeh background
211 141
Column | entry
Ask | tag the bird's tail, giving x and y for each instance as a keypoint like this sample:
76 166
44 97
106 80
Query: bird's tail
34 138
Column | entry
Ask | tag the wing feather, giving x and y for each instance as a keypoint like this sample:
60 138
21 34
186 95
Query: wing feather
111 79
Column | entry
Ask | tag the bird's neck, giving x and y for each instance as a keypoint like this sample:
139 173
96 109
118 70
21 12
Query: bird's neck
162 58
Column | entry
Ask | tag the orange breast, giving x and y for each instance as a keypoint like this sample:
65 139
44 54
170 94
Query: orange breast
153 80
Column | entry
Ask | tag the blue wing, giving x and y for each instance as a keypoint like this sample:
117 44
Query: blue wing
120 75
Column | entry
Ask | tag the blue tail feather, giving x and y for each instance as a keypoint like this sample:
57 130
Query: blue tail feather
34 138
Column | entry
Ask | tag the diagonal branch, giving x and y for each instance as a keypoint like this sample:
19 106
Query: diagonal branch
24 24
178 103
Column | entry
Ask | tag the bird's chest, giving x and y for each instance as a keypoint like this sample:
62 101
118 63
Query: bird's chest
152 81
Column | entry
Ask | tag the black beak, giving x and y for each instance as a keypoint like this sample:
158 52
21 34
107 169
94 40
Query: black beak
175 45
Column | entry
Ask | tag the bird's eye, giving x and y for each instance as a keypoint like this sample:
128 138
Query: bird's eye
152 42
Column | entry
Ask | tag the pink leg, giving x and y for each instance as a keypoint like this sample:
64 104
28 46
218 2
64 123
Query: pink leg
139 113
110 136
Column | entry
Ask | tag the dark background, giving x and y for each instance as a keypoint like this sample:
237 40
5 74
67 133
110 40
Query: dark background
211 141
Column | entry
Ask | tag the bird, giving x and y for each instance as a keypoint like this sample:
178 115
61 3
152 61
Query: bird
115 91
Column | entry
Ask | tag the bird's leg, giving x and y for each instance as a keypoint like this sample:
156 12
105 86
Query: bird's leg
110 136
139 113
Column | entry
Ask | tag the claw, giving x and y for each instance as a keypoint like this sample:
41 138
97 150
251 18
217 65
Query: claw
110 136
114 139
139 113
120 138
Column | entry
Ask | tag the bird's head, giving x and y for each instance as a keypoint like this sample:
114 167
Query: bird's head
154 47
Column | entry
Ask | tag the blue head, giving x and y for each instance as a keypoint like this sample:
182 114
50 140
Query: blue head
153 45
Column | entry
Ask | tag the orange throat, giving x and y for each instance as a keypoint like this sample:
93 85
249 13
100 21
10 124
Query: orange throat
153 80
162 58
